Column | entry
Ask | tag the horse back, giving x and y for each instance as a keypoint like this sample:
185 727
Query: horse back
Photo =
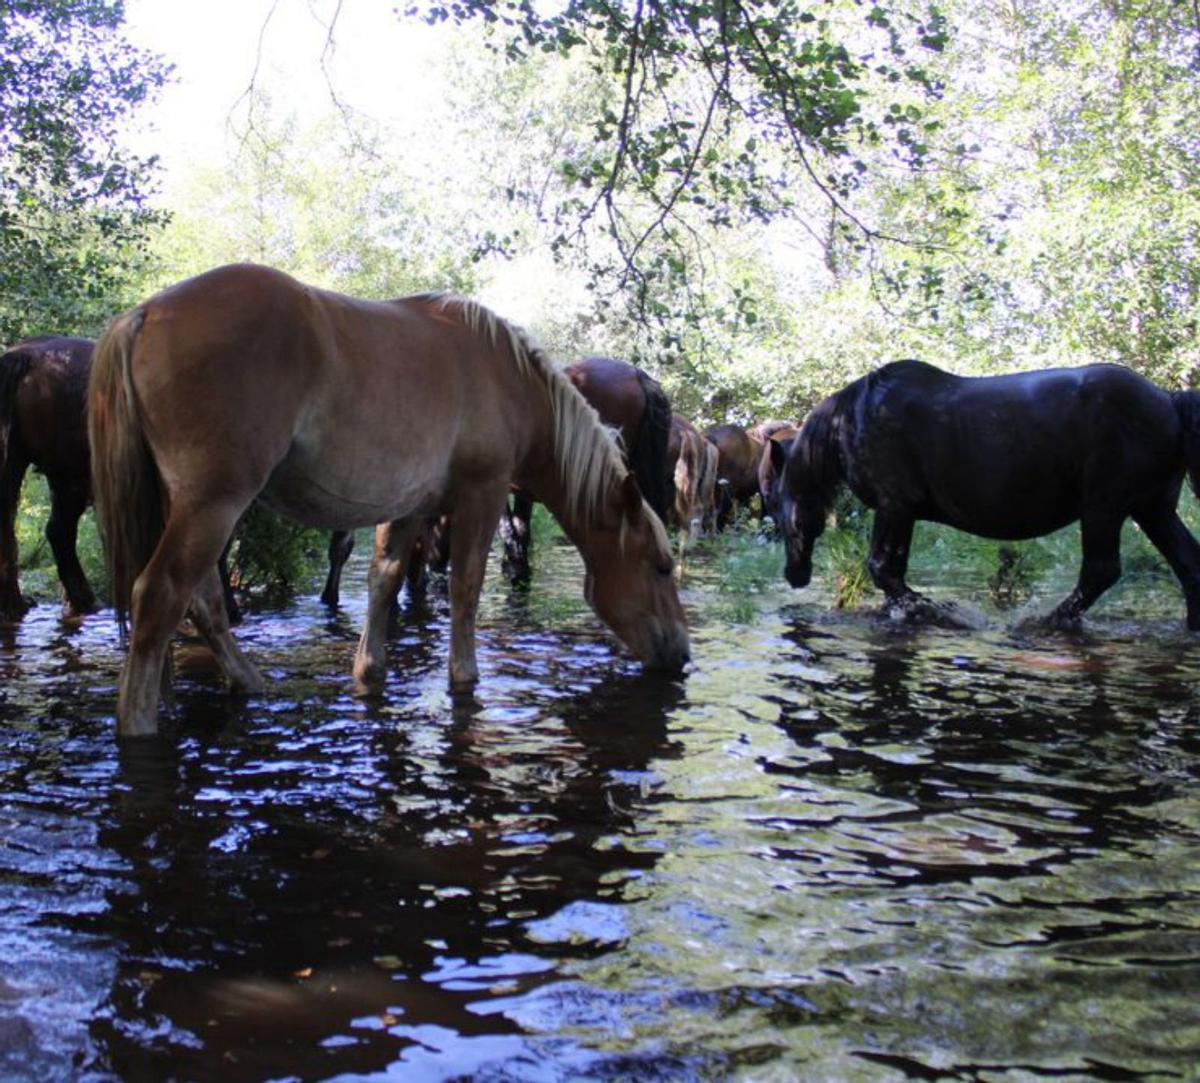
631 400
1009 456
341 412
738 454
43 384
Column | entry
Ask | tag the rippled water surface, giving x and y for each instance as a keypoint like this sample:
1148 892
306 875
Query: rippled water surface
837 849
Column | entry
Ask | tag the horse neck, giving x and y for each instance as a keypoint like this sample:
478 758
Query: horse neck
819 454
570 464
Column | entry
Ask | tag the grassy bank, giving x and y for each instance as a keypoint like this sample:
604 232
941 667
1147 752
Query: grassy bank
749 563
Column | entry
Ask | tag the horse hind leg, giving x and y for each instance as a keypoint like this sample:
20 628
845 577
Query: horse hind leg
1169 535
186 553
68 499
211 617
1099 570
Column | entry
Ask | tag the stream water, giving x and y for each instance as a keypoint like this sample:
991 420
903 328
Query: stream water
837 849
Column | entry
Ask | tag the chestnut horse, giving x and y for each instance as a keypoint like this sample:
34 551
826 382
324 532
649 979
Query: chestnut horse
737 468
244 383
43 391
695 460
1006 457
626 399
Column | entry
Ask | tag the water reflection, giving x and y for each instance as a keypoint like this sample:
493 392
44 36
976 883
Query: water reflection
341 886
838 849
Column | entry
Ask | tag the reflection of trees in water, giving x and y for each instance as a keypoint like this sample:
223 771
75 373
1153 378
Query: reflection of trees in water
295 877
948 755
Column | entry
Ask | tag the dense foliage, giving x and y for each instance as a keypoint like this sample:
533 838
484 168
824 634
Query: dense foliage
768 199
716 115
74 211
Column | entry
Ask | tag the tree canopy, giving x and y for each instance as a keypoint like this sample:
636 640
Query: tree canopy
717 113
74 210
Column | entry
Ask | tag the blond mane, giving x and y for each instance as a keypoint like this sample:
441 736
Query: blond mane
589 461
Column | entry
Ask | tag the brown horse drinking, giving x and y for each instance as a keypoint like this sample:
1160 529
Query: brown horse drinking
43 390
243 382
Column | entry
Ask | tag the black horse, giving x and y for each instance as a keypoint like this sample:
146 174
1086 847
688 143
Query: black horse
43 389
1006 457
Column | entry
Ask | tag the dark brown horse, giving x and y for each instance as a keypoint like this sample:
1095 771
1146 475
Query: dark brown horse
1005 457
626 399
244 383
737 468
43 392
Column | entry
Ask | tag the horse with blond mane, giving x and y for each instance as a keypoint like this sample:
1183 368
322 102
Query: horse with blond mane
244 383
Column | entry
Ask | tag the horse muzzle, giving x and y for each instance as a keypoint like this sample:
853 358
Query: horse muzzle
665 649
798 572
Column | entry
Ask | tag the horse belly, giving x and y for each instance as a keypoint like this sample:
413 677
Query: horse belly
304 488
1025 507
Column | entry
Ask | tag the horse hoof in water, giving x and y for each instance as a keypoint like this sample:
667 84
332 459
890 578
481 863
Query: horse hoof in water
79 608
1070 623
916 609
14 608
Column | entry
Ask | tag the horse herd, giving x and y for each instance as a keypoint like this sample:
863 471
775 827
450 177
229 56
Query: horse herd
435 421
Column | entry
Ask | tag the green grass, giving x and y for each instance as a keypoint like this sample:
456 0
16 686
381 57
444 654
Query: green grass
1011 570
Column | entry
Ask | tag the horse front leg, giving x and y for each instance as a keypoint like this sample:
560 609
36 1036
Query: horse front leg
68 499
475 521
393 548
1169 535
341 544
1100 569
515 527
891 543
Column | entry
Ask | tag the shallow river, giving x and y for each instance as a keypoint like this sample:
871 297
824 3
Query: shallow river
835 850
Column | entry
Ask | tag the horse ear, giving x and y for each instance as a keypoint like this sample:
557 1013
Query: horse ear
631 493
778 456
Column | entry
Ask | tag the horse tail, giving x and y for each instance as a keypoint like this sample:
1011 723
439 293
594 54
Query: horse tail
1187 405
649 460
14 367
126 485
709 459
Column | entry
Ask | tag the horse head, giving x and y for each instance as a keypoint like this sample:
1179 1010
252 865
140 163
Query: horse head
800 509
770 477
629 581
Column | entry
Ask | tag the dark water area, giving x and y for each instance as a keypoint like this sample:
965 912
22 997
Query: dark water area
837 849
